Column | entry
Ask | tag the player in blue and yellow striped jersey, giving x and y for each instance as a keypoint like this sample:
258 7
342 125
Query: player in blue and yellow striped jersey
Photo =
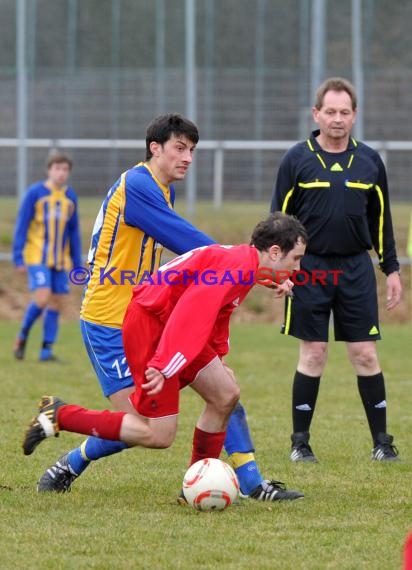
134 223
46 241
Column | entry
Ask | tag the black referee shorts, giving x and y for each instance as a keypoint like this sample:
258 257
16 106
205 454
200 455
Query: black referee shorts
342 286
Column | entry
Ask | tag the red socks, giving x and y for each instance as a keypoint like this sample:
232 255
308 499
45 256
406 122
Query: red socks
206 444
104 424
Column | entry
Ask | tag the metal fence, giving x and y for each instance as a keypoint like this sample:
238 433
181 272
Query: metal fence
89 75
219 157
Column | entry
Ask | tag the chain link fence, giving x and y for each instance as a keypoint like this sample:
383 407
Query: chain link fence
101 69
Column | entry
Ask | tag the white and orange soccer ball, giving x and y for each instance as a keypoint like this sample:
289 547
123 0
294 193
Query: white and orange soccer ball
210 485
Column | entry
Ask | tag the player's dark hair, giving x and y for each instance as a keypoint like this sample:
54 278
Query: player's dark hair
278 229
335 84
162 128
57 157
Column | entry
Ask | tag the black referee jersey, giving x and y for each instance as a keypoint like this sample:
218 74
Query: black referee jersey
341 199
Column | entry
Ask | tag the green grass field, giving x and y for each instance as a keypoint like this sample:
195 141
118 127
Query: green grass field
122 513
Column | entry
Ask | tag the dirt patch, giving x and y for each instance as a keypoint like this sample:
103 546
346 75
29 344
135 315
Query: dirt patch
14 295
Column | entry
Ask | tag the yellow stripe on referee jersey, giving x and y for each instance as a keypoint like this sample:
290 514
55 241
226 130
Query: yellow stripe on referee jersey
286 200
316 184
288 315
380 227
323 163
358 185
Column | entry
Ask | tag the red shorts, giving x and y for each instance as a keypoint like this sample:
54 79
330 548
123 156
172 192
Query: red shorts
141 334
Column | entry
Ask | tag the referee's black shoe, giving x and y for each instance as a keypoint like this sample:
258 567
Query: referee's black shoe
384 449
301 450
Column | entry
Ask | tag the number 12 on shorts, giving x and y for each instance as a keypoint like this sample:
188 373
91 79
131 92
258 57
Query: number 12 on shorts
121 367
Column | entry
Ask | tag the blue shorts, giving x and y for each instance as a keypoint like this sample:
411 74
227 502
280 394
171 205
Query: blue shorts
42 276
104 346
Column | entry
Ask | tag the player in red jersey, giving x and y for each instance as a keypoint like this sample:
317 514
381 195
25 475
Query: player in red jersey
177 323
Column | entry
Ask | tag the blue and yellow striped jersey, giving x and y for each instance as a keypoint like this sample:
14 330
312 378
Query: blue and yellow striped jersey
47 228
135 221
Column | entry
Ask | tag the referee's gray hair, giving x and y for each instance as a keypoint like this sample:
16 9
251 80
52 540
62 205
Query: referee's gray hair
335 84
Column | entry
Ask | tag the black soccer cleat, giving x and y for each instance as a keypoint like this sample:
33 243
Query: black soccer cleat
384 449
58 478
43 425
273 491
301 450
19 349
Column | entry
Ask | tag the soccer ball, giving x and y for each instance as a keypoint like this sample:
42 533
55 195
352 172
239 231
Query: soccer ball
210 485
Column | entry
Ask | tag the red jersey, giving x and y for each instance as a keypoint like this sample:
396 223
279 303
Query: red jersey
194 296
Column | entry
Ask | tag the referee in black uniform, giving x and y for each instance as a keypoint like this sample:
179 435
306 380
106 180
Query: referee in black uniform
337 187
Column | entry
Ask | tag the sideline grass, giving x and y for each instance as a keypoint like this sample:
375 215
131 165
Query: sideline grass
122 513
232 223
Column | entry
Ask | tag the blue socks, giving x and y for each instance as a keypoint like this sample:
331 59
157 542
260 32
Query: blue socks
32 313
91 449
50 329
239 447
50 326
